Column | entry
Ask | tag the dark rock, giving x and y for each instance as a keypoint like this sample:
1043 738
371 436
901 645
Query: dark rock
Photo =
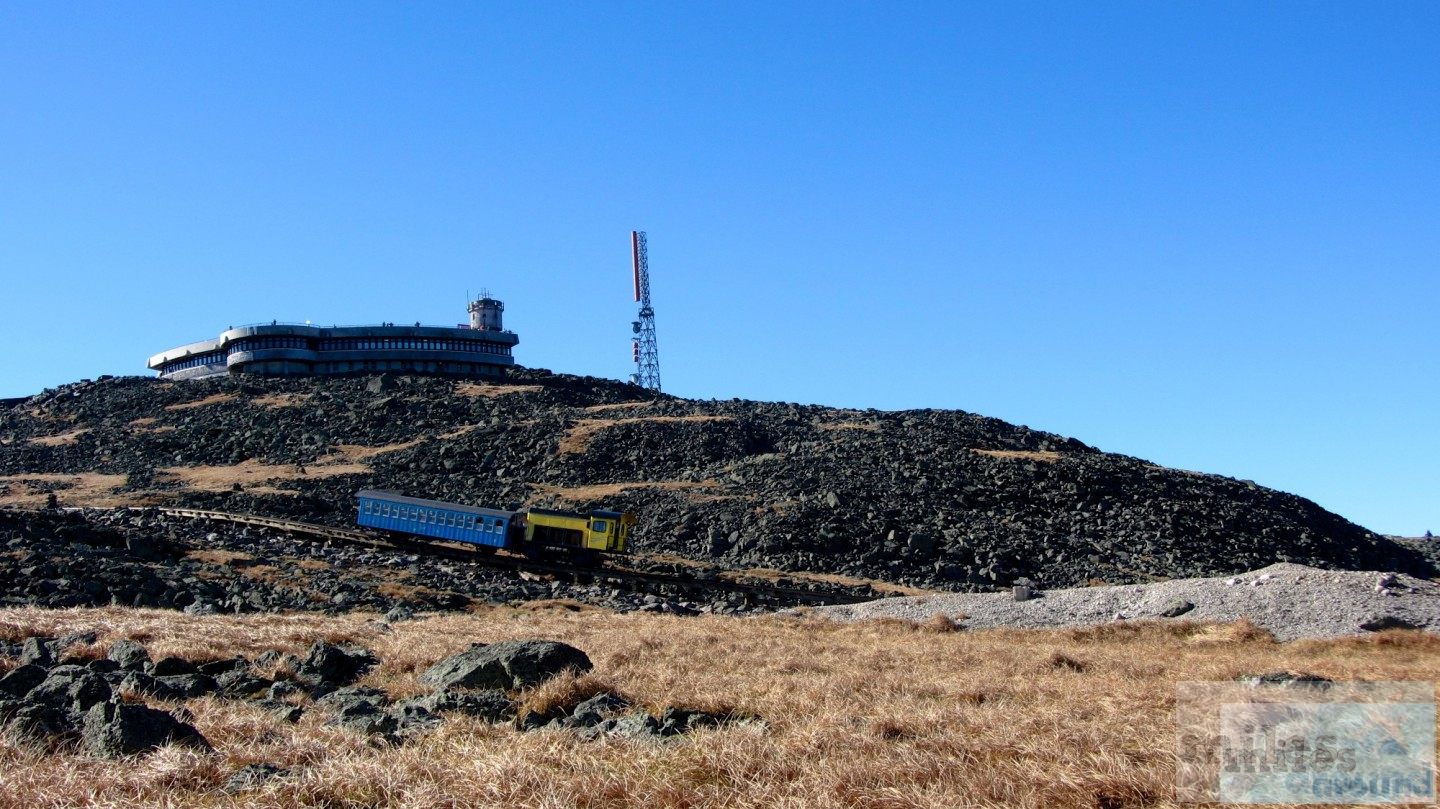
344 698
60 645
270 657
399 613
37 651
251 777
1387 622
114 729
633 726
413 719
507 664
189 685
330 664
366 718
492 705
283 711
19 681
168 666
1175 608
38 721
597 709
240 684
281 689
75 687
138 682
675 721
215 668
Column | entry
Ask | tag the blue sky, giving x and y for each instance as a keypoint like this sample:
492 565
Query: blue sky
1200 233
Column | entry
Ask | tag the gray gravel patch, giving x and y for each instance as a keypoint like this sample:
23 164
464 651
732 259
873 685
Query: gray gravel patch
1290 601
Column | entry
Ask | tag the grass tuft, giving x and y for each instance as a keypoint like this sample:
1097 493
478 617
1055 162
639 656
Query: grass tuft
865 714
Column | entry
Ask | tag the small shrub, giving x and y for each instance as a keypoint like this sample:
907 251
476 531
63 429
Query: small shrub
891 729
940 623
1063 662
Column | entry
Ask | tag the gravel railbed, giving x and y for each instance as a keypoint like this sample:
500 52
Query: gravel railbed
1290 601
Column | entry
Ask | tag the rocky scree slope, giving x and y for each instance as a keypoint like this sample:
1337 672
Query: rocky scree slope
932 498
60 559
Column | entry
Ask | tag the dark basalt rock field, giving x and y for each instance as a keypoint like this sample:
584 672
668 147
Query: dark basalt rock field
932 498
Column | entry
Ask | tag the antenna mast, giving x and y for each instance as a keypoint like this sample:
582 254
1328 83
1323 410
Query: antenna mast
647 356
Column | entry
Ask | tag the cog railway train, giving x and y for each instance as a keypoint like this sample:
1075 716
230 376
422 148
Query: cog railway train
534 532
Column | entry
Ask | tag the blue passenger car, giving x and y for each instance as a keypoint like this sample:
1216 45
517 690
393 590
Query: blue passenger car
412 515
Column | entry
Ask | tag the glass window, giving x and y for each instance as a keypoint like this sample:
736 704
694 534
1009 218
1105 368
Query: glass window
600 526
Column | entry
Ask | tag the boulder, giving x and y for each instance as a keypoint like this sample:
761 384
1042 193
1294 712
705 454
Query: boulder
75 687
343 698
366 718
492 705
330 664
169 666
138 682
508 664
113 729
128 654
36 651
281 710
1175 608
37 721
215 668
190 685
1384 622
18 682
597 709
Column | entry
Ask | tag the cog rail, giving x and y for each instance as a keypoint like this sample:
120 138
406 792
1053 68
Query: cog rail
609 573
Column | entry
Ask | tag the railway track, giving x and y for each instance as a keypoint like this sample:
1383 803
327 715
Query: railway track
607 573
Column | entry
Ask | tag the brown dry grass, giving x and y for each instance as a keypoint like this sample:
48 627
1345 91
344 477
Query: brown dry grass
1029 455
617 406
252 474
354 453
219 398
872 714
491 391
61 440
851 425
278 400
219 557
577 439
602 490
86 489
771 574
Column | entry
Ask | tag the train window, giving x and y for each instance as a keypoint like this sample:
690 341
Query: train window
600 527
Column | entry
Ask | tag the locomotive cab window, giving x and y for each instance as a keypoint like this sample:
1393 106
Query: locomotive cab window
601 527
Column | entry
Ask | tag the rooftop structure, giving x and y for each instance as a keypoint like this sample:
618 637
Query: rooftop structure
480 349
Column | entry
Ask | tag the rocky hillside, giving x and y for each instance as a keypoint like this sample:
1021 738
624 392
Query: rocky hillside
933 498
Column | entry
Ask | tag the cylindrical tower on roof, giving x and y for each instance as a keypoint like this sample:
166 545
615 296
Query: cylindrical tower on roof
486 314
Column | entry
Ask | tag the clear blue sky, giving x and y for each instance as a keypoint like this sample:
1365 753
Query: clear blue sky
1206 233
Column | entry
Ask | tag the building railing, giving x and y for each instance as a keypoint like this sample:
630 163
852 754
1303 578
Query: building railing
310 325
